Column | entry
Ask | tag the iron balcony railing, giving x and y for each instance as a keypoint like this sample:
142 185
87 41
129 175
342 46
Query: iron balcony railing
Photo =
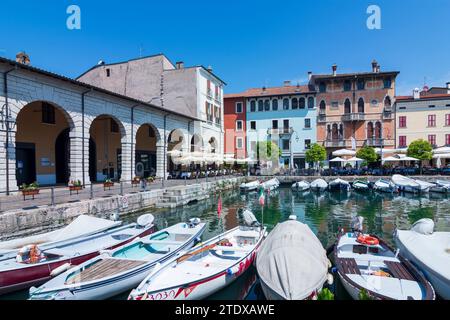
353 117
280 131
334 143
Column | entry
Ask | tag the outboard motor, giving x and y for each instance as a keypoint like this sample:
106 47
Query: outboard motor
250 219
193 222
423 226
357 224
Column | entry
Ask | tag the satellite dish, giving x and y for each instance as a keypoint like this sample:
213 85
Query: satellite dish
145 220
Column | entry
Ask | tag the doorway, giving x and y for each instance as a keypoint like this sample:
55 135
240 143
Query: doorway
25 163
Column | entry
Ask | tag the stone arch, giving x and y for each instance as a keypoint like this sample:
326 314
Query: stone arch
196 143
361 105
145 155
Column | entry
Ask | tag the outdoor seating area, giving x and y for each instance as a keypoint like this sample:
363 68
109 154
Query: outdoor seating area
198 174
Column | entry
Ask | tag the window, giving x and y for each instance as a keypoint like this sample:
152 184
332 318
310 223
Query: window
252 106
275 104
432 139
323 106
311 103
208 88
252 125
274 124
402 122
307 143
347 85
387 83
361 105
267 105
238 107
209 113
260 105
108 72
347 106
432 120
285 124
374 103
447 119
239 125
361 84
307 123
322 87
294 103
432 106
285 104
402 141
114 126
447 139
239 143
302 103
334 105
285 145
48 113
217 113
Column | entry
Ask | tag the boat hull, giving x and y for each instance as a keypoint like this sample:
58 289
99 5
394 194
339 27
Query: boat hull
33 275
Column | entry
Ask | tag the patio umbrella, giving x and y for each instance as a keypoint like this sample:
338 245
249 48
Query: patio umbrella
338 159
406 158
442 150
390 159
355 159
438 162
442 156
344 152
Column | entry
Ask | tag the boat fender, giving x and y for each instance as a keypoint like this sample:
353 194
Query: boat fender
329 264
330 279
60 269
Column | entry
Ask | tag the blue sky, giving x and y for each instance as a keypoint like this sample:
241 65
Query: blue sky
248 43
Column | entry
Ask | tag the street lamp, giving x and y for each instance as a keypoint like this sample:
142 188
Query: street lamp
290 147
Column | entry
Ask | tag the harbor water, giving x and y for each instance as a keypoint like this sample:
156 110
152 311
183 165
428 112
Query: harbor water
324 213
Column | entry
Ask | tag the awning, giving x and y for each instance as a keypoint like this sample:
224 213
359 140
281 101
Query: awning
344 152
338 159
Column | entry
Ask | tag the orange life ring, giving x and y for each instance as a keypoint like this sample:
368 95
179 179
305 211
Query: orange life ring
366 239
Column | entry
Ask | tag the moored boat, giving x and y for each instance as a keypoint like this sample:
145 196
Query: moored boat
35 264
424 186
206 268
339 184
406 184
271 184
365 263
429 251
301 186
249 186
118 270
292 264
384 185
361 185
319 185
440 186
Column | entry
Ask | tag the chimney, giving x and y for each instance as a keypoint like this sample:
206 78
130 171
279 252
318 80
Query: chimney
210 69
287 83
309 75
416 94
179 65
334 68
374 66
378 68
23 58
448 87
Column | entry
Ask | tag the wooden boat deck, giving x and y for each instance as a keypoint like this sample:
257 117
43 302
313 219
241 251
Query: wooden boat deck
349 266
103 269
399 271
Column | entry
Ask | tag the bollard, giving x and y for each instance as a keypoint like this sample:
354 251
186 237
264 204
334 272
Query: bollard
121 188
53 196
91 191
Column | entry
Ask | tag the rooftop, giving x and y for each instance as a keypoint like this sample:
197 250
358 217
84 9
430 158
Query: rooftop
273 91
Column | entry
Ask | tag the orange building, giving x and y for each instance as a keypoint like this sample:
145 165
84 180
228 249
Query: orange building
355 109
235 126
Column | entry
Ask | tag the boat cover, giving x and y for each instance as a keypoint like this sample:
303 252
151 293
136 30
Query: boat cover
404 181
339 181
83 225
424 185
292 261
319 183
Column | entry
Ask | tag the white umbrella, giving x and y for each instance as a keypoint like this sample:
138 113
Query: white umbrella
438 162
355 159
442 156
406 158
441 150
344 152
390 159
338 159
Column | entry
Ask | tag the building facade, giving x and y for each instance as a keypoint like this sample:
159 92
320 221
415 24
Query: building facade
355 109
285 115
424 115
235 126
54 129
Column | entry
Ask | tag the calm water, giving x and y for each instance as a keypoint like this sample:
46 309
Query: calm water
324 213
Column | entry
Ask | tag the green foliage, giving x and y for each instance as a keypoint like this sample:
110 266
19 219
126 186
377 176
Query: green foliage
325 294
267 150
364 295
368 154
31 186
316 153
420 149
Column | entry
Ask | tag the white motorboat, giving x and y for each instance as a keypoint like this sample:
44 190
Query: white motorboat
119 270
339 184
384 185
206 268
365 262
440 186
270 185
82 226
301 186
292 264
250 186
319 185
34 265
406 184
361 185
429 251
424 186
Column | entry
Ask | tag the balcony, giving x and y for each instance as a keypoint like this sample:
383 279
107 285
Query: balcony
321 118
388 114
335 143
280 131
379 142
353 117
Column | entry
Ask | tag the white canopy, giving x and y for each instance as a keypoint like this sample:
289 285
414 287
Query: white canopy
442 156
355 159
292 261
344 152
338 159
406 158
390 159
442 150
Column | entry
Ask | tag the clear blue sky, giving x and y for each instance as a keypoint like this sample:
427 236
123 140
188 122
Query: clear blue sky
248 43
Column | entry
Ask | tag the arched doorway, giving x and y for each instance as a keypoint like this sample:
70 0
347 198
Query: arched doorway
42 144
106 134
175 141
361 105
196 143
347 107
145 154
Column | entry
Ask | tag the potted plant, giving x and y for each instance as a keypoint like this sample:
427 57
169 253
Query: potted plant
30 190
75 185
136 180
108 184
150 179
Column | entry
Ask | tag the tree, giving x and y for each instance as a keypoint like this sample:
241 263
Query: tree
267 150
420 149
316 153
368 154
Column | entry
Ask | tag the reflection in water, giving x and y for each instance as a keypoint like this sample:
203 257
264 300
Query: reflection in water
324 213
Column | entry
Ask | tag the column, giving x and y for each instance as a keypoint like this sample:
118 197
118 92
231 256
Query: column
127 161
79 159
160 168
11 160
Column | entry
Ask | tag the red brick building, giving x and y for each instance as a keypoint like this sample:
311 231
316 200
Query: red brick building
235 126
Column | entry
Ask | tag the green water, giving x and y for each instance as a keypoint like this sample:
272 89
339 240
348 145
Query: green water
325 214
